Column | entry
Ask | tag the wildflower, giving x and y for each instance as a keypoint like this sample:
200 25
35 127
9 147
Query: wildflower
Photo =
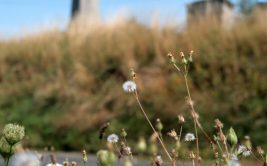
190 137
173 134
113 138
129 86
13 133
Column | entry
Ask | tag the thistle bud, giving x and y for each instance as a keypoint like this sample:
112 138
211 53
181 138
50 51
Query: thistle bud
159 125
232 138
13 133
190 59
152 149
171 58
123 133
184 60
218 124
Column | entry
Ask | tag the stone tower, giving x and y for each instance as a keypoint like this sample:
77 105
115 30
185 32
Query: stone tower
222 11
85 11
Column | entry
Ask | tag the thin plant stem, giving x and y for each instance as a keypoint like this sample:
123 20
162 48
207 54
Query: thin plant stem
197 143
7 161
143 111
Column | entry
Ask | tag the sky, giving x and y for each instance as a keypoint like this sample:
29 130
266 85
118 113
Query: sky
26 16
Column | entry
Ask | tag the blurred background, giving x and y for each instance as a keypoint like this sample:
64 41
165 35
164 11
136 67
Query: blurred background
62 65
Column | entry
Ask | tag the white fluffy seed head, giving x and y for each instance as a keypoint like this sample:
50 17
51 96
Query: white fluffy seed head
129 86
113 138
190 137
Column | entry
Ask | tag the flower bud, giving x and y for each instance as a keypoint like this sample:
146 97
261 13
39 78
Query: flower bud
159 125
232 138
13 133
123 133
152 149
181 119
190 59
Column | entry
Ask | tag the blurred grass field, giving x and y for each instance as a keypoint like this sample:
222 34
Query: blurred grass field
62 86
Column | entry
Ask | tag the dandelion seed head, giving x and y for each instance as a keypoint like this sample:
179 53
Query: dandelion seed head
190 137
129 86
113 138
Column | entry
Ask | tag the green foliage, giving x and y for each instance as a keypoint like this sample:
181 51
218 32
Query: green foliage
62 86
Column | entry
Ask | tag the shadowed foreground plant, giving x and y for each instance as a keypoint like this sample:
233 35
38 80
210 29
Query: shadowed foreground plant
12 134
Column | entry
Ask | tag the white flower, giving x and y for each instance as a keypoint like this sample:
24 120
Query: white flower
113 138
246 153
234 157
241 149
190 137
129 86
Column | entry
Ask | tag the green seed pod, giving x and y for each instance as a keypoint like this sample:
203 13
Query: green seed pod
13 133
159 125
5 149
232 138
123 133
105 158
152 149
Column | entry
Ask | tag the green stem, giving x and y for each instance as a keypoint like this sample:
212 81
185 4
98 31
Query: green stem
7 161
